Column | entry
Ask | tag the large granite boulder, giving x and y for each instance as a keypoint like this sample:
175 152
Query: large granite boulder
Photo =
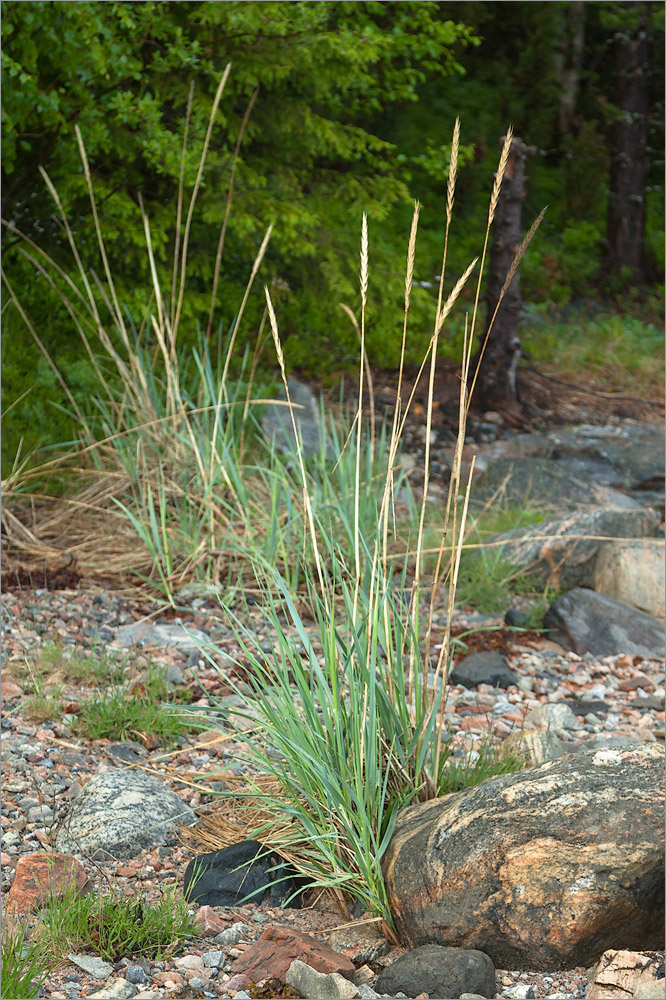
560 484
585 621
118 813
562 551
626 456
541 869
633 571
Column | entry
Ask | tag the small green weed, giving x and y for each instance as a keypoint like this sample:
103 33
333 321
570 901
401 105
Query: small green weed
129 710
476 767
44 705
25 965
53 665
116 926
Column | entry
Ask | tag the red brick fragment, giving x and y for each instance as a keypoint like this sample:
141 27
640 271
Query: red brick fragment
40 876
639 681
272 954
208 922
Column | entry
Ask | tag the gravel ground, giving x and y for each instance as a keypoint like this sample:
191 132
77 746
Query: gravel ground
44 764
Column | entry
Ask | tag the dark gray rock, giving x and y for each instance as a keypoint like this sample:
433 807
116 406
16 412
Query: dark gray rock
483 668
239 872
541 869
585 621
440 972
277 424
515 618
118 813
128 752
136 974
627 456
558 484
583 707
562 551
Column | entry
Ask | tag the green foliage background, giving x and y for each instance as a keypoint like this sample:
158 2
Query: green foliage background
354 110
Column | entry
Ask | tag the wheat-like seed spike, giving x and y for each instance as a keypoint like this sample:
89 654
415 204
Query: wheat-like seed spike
448 305
411 254
453 170
262 251
364 259
499 176
274 328
521 251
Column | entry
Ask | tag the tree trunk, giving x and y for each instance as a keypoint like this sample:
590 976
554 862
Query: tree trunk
628 172
499 362
568 61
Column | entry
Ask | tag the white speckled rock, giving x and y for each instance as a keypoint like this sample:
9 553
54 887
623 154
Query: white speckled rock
557 717
318 985
118 813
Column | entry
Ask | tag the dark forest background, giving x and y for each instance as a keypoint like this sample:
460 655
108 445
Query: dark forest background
342 108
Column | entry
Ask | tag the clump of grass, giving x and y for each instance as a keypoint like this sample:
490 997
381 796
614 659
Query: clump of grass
133 710
52 665
25 965
44 705
350 722
114 925
487 580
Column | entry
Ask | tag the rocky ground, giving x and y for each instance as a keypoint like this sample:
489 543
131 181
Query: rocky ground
45 765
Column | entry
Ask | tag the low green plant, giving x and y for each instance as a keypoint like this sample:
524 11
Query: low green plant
53 661
133 709
115 925
25 965
44 704
476 766
620 353
487 582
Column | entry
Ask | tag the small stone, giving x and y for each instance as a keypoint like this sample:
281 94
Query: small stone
483 668
515 618
208 922
237 982
272 954
366 992
92 965
135 974
196 983
189 962
231 935
114 989
44 875
558 716
213 959
320 986
520 992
